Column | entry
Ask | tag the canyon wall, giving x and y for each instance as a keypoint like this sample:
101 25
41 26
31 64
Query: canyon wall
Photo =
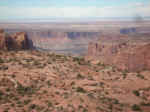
15 41
132 55
60 41
57 34
73 38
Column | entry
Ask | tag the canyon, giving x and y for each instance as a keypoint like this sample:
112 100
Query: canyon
111 42
73 42
73 38
90 67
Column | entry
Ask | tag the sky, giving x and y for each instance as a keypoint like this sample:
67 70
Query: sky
45 9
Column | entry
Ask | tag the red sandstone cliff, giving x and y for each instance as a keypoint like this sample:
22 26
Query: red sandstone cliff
125 56
16 41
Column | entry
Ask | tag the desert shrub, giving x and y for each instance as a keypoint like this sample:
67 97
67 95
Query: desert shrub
136 93
36 63
144 104
49 104
140 76
85 110
101 64
79 76
27 101
4 67
90 95
116 101
79 60
76 59
81 90
25 90
6 110
48 83
136 107
1 95
32 106
49 62
124 73
72 83
110 106
1 60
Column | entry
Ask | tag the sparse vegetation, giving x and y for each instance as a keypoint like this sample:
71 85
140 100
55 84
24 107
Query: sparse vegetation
140 76
125 73
79 76
81 90
22 90
136 93
1 60
136 107
145 104
58 85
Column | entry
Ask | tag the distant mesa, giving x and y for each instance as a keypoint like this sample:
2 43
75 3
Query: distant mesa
127 30
15 41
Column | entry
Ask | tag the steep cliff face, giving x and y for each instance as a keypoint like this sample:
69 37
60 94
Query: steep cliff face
125 56
61 41
21 41
2 40
76 34
46 34
16 41
56 33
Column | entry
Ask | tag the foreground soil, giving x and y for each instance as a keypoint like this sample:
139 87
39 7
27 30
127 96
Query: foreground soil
32 81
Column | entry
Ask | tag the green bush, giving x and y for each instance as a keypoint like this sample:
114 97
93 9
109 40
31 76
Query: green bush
1 60
79 76
136 93
25 90
136 107
81 90
140 76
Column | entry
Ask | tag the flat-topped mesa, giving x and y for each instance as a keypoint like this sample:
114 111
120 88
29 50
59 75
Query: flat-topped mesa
125 56
16 41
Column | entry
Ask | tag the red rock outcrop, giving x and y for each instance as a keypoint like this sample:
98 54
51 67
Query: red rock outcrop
2 40
125 56
16 41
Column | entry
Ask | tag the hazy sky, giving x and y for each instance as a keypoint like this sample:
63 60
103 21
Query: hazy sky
35 9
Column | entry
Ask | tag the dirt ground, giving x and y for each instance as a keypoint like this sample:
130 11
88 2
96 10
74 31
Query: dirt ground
33 81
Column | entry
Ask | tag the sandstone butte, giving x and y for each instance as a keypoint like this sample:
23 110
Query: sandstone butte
15 41
124 56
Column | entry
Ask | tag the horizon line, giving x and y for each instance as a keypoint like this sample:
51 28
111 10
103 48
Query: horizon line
73 19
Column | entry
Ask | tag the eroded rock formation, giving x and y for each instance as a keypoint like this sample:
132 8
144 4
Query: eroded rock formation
16 41
2 40
125 56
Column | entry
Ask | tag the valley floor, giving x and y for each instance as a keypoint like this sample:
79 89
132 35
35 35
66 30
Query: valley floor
33 81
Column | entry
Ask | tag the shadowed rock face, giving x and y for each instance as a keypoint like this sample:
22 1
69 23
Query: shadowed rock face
61 41
16 41
125 56
127 30
75 35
